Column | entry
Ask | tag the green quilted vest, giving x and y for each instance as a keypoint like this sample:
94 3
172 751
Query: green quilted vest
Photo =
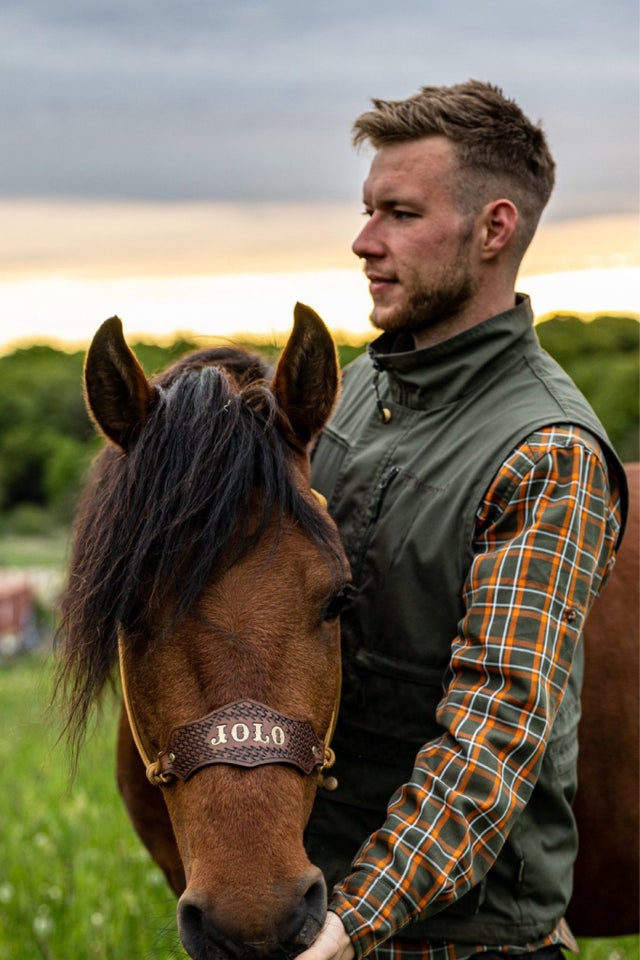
404 495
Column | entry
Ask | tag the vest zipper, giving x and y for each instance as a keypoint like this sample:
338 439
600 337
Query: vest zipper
374 514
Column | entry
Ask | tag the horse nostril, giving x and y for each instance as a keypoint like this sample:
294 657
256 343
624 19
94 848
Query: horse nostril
190 924
199 937
203 939
316 899
310 915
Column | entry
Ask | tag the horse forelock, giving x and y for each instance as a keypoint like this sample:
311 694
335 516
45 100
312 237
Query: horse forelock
154 525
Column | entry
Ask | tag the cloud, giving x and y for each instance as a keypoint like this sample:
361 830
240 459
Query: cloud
254 101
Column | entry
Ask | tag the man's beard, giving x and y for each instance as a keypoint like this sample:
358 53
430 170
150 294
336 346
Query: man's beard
426 308
439 301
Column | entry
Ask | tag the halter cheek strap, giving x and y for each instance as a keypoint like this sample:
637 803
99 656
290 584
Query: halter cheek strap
152 767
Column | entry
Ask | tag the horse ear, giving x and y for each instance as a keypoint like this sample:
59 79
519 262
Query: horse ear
119 396
306 379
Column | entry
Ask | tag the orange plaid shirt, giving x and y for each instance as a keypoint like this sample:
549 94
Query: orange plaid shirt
544 540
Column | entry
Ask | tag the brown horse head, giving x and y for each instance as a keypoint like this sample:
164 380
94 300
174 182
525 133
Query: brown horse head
200 544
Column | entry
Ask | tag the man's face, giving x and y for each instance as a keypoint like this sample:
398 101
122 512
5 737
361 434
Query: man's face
417 246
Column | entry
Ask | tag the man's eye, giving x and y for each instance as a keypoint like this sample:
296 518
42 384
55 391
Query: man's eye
337 603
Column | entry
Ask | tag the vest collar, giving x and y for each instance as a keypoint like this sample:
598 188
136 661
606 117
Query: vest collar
441 374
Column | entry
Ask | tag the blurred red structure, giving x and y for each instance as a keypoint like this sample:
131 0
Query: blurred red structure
17 616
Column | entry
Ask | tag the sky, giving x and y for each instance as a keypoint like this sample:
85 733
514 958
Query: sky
154 143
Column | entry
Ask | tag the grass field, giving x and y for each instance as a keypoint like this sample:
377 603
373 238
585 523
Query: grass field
75 883
42 552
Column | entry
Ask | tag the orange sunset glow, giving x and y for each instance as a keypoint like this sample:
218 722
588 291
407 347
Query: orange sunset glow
223 269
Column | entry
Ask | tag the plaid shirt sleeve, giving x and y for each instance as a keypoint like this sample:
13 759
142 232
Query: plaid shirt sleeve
544 536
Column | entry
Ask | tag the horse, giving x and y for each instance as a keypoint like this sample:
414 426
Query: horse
206 567
606 891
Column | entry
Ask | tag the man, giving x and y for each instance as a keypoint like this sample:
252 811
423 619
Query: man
480 503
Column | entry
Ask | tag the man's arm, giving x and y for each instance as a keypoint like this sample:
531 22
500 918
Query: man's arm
544 535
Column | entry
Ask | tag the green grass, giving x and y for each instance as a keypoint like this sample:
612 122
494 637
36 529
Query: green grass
622 948
75 883
34 551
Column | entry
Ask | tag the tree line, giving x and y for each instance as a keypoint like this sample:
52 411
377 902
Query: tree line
47 441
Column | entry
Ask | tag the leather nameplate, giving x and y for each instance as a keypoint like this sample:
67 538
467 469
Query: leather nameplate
244 734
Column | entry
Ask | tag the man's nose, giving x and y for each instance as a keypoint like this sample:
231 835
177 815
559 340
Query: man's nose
368 243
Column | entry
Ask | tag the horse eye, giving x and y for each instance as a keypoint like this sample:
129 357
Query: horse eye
337 602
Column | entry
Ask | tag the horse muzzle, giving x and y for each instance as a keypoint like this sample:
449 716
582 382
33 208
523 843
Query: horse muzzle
206 934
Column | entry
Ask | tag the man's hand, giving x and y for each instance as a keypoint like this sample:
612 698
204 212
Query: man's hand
332 943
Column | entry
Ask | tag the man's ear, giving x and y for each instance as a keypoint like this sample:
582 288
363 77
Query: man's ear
499 222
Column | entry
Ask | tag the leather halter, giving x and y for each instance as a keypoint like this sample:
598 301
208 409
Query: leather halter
243 733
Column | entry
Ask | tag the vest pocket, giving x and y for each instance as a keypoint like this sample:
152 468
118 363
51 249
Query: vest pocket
389 707
397 669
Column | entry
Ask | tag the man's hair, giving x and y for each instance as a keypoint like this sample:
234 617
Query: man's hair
500 152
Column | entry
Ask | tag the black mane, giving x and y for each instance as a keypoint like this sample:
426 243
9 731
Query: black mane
154 525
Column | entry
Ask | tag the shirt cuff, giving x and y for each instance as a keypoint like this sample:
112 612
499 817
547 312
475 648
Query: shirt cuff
369 917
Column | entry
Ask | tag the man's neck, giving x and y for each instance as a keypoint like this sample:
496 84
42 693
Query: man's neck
477 312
